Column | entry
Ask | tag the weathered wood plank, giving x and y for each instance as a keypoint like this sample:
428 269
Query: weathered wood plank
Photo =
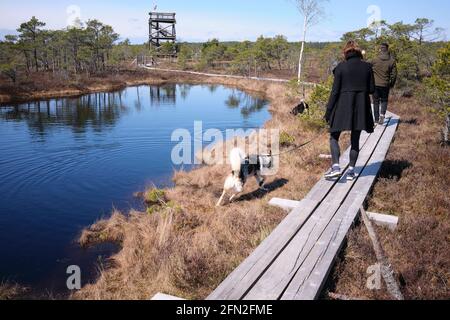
272 284
284 204
386 269
242 281
165 297
245 275
383 220
308 282
239 282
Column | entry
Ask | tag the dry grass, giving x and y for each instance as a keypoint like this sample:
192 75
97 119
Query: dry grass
45 85
10 291
414 185
189 247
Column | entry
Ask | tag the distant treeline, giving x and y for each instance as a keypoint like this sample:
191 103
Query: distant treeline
93 47
88 48
414 45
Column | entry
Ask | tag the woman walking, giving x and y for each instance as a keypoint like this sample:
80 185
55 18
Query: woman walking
349 107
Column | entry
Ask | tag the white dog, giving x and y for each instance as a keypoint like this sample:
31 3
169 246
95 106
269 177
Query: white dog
242 168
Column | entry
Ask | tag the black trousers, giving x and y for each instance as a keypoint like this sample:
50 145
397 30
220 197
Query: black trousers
380 101
336 150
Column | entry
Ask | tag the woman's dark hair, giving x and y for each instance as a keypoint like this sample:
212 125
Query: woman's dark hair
352 49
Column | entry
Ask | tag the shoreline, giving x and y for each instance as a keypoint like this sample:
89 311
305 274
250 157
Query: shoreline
250 86
122 81
188 247
189 227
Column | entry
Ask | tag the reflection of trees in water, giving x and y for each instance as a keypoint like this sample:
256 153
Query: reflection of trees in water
97 110
233 100
185 89
163 95
101 111
212 87
245 102
137 103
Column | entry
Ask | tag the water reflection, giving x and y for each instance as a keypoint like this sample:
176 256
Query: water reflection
248 104
163 95
67 162
185 90
98 110
101 111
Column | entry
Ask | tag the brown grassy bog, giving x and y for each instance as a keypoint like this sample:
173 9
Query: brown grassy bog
189 247
188 250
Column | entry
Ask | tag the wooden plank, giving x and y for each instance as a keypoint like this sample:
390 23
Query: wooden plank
247 271
284 204
165 297
272 284
383 220
242 278
239 282
313 285
308 282
386 269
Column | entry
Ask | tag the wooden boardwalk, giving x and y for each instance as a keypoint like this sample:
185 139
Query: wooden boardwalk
294 262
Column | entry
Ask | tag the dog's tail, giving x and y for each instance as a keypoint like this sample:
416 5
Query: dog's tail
237 156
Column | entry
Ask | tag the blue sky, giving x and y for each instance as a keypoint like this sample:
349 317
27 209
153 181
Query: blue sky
199 20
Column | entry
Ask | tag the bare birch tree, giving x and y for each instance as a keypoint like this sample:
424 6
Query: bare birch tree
311 11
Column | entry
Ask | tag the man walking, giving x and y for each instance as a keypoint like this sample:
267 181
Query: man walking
385 71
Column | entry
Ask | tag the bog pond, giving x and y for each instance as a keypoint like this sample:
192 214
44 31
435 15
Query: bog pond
65 163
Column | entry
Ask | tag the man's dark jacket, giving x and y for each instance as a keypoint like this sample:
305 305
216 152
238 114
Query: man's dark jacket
385 70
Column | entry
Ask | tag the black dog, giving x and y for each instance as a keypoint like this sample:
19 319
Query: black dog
300 109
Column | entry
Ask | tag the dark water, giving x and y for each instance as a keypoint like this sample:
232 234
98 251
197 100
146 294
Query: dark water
67 162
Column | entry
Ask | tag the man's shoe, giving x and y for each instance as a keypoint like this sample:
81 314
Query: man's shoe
381 122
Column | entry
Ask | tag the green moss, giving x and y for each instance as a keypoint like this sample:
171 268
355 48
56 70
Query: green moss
286 140
155 196
175 206
153 209
164 207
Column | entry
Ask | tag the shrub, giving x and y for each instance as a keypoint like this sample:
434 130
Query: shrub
286 140
314 118
155 197
438 88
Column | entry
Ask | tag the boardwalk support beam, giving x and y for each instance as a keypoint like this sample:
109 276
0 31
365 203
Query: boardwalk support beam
384 220
386 269
284 204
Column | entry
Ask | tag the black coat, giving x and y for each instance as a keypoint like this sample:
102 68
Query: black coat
349 107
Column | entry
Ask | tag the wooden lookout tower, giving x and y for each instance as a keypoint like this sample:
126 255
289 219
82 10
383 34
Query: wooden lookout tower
162 29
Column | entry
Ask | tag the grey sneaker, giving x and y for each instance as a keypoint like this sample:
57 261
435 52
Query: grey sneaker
381 122
351 175
333 173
